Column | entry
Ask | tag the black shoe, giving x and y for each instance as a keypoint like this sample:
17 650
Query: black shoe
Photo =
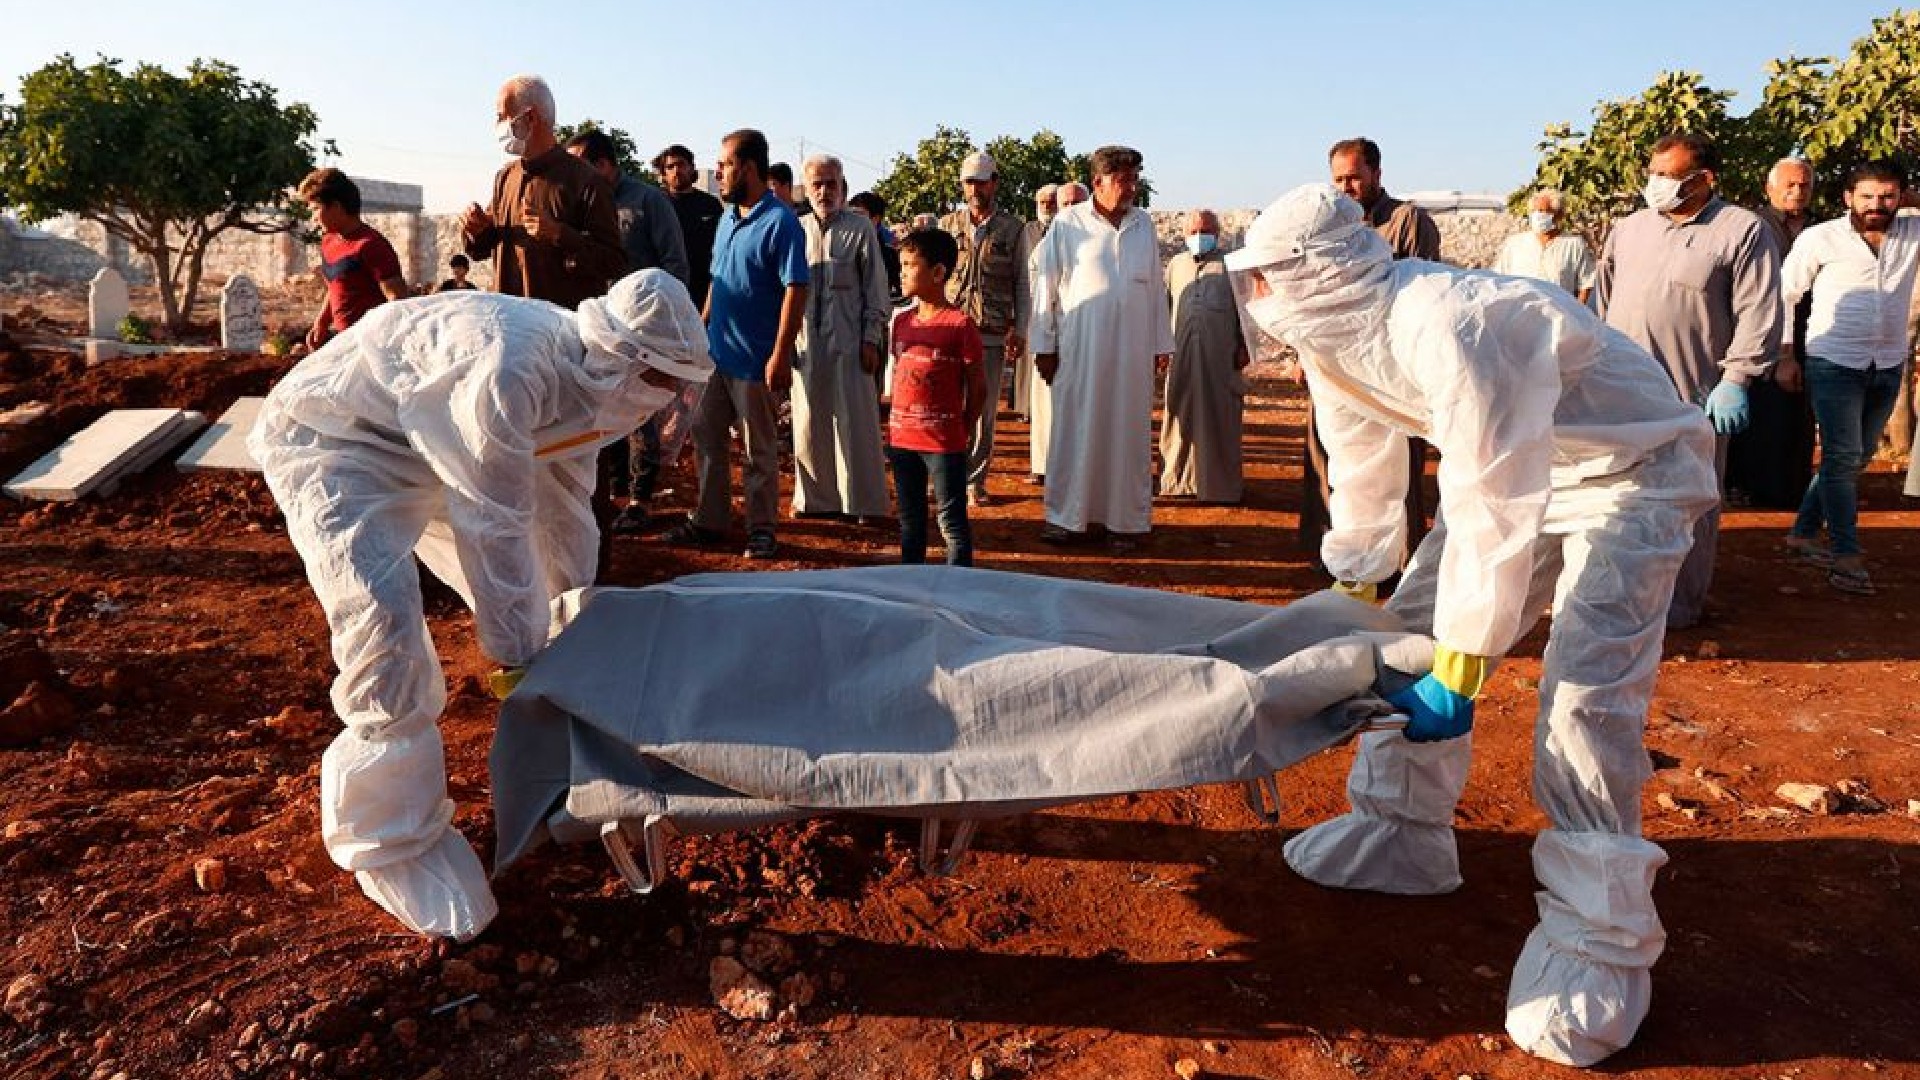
632 521
761 544
687 534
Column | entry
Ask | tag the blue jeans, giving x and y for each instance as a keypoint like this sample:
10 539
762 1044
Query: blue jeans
1851 407
911 469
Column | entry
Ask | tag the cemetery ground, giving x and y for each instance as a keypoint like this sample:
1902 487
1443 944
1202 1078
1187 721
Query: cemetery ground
169 911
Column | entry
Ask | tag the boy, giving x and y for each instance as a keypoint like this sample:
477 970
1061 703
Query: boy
360 267
459 265
939 388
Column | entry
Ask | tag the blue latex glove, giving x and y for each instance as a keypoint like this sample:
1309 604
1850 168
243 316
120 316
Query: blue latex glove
1727 408
1434 712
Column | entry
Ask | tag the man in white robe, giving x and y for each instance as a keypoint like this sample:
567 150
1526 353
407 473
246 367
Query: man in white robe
1100 334
839 462
1039 394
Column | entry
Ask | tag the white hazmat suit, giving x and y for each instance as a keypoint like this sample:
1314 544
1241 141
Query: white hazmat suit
1570 473
463 428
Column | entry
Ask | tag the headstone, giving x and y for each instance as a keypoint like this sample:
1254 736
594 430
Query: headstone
114 447
243 327
224 445
107 304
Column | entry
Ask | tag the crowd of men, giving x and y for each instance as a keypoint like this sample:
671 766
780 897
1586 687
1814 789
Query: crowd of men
1587 414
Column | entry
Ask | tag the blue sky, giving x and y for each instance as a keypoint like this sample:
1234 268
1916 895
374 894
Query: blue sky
1231 103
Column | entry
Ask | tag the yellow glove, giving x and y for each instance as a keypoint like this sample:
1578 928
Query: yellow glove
502 682
1462 673
1365 591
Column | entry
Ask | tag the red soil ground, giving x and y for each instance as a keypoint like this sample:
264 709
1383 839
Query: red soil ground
182 673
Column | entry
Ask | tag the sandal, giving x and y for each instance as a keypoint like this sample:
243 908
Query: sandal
630 522
1808 550
1851 579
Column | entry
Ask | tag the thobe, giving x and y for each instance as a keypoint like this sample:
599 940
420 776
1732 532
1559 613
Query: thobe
839 463
1200 437
1703 296
1023 379
1099 303
1039 394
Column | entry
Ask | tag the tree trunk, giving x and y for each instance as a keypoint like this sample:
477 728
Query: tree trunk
162 257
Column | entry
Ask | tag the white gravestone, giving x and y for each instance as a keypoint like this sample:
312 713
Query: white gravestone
107 304
243 327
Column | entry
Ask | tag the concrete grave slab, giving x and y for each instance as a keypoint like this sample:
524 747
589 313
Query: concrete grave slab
224 445
107 304
243 325
96 459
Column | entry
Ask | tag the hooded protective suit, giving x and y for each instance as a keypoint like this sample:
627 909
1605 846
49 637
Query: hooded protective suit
461 427
1570 473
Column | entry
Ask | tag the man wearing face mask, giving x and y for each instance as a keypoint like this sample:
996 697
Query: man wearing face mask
839 465
1046 203
1200 434
1569 474
551 229
1544 253
991 286
461 428
1695 281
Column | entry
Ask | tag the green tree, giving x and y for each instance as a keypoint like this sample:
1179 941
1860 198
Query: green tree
1835 113
167 163
928 181
626 151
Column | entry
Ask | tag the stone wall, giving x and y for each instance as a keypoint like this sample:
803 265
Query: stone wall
1469 238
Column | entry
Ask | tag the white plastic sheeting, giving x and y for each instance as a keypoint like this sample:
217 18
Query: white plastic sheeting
726 700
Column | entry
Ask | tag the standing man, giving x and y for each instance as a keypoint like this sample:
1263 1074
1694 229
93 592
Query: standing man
650 235
991 287
1544 253
1200 436
550 229
839 462
754 313
1770 464
1039 394
1695 281
1100 335
1410 234
875 208
699 215
1859 270
1046 203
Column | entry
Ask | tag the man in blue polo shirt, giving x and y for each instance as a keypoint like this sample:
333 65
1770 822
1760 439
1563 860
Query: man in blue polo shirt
754 311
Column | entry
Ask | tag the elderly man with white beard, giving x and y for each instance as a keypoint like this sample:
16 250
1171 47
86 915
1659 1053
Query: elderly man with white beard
1100 334
1570 473
839 464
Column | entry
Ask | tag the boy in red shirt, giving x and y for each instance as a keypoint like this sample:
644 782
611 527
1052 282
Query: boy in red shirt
360 267
939 388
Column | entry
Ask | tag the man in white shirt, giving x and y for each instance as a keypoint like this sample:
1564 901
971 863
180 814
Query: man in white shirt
1544 253
1860 272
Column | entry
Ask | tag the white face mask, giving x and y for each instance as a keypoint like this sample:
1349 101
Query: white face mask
1202 243
512 134
1662 193
1541 221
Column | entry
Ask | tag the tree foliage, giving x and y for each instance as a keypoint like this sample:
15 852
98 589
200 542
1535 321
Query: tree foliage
626 151
1835 113
928 180
165 162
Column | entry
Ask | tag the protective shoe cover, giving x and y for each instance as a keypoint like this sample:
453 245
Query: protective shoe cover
1582 985
384 814
1399 836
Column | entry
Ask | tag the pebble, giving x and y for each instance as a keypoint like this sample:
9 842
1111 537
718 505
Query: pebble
1215 1047
1486 971
1913 808
1813 798
210 875
1186 1069
738 992
978 1068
